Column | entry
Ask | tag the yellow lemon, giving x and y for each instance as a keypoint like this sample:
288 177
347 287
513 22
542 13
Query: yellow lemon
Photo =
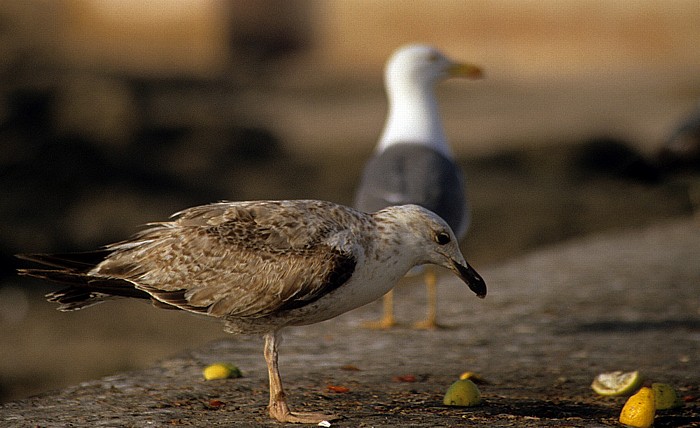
639 410
462 393
617 383
665 396
221 371
474 377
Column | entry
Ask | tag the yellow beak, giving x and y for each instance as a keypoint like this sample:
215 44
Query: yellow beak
469 71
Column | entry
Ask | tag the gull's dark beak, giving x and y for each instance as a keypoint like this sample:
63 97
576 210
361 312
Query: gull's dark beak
475 282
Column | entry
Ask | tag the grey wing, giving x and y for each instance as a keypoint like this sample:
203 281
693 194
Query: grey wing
241 261
410 173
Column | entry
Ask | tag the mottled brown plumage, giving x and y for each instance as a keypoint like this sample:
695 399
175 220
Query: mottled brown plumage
260 266
226 260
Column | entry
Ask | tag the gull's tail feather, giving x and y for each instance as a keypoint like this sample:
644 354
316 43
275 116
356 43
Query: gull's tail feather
74 262
83 289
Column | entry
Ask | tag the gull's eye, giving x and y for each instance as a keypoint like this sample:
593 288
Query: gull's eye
442 238
433 57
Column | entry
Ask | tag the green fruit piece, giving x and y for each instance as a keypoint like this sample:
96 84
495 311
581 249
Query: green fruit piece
617 383
665 396
639 410
221 371
462 393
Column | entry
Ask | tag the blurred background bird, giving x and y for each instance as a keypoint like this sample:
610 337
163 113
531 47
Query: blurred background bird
413 162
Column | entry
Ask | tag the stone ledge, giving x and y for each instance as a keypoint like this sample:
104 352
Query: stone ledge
552 320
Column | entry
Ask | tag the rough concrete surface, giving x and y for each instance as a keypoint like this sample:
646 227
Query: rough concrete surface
553 319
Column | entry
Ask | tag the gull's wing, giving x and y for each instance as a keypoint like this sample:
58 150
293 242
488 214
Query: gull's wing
245 259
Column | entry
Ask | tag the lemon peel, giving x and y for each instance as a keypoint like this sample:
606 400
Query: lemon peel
221 371
639 410
463 393
474 377
665 396
617 383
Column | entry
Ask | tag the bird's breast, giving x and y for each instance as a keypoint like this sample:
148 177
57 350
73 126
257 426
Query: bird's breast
371 280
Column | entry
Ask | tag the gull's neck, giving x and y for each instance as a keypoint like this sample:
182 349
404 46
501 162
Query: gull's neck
413 117
392 221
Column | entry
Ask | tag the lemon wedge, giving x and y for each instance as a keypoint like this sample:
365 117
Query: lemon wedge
617 383
221 371
639 410
665 396
474 377
462 393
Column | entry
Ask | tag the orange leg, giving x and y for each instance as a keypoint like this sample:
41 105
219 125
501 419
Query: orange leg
278 400
430 321
387 321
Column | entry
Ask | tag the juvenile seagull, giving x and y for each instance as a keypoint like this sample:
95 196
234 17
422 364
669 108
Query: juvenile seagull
413 163
261 266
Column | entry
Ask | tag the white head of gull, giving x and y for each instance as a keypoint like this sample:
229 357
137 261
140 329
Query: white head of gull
260 266
410 77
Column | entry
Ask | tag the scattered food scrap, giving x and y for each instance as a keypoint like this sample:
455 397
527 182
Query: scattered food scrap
221 371
639 410
338 389
617 383
665 396
404 378
464 393
474 377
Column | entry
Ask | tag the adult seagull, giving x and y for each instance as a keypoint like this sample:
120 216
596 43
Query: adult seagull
413 162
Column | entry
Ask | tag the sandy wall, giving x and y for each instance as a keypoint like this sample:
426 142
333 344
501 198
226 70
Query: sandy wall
522 37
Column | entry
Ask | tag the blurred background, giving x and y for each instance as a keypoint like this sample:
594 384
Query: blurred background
113 114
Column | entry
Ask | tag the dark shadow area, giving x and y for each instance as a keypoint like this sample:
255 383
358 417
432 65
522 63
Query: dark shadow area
546 409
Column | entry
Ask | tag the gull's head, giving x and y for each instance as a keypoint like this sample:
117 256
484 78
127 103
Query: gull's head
430 239
424 65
